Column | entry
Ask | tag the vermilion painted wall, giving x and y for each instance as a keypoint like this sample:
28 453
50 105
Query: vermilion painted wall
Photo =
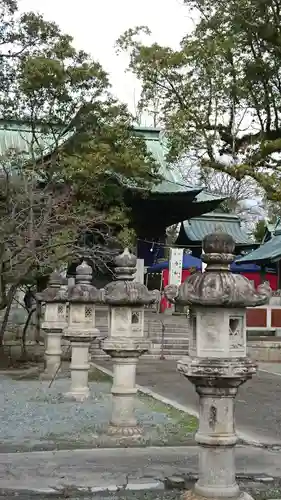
165 277
271 278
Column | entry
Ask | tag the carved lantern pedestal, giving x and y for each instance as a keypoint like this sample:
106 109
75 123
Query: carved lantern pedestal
55 299
81 330
126 342
217 363
125 356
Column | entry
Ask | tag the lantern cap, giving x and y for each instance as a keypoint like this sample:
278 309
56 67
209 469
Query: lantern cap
55 292
125 265
125 291
84 273
83 291
218 286
56 279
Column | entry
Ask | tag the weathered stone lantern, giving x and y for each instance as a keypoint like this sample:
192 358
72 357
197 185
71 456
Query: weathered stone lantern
217 363
54 322
81 330
126 341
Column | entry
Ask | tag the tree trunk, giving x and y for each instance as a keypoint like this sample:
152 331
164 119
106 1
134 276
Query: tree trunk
10 299
23 339
41 284
5 360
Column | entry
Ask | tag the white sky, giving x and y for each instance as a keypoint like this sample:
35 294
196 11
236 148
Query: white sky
96 25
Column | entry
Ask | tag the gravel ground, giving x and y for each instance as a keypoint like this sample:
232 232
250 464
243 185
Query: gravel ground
269 494
36 417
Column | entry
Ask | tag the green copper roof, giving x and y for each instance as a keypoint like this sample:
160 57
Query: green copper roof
172 179
269 251
198 227
205 197
270 227
20 137
269 230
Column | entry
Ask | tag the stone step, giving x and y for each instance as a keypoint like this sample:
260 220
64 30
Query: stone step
100 355
172 336
155 333
173 342
174 357
151 324
170 345
167 325
168 332
158 339
174 333
170 352
158 327
180 335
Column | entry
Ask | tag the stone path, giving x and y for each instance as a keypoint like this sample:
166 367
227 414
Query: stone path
258 405
107 468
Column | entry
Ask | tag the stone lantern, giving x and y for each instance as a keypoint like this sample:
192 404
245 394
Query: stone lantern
217 363
126 341
81 330
54 322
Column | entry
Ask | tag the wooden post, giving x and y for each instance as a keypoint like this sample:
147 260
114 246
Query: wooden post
263 273
139 276
279 274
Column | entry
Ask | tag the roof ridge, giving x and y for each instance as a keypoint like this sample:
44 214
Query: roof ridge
198 227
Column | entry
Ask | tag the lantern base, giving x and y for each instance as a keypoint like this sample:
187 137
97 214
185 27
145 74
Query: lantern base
77 395
130 432
192 495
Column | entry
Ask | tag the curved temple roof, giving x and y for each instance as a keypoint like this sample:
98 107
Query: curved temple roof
173 181
268 251
19 136
197 228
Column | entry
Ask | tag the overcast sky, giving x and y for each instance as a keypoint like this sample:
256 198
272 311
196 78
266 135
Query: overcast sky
95 26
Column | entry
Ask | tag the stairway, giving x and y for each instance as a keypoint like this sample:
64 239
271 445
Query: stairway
172 331
174 336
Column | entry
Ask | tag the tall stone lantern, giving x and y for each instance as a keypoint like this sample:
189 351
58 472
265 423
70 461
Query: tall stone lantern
81 329
54 322
217 363
126 341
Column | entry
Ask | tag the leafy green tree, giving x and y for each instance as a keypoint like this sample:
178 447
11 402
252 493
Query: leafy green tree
62 176
259 230
219 95
73 133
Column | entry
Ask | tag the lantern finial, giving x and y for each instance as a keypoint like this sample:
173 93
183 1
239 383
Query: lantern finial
55 291
125 266
84 273
55 280
219 248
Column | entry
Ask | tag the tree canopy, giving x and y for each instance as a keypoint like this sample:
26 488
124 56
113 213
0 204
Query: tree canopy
62 177
219 94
